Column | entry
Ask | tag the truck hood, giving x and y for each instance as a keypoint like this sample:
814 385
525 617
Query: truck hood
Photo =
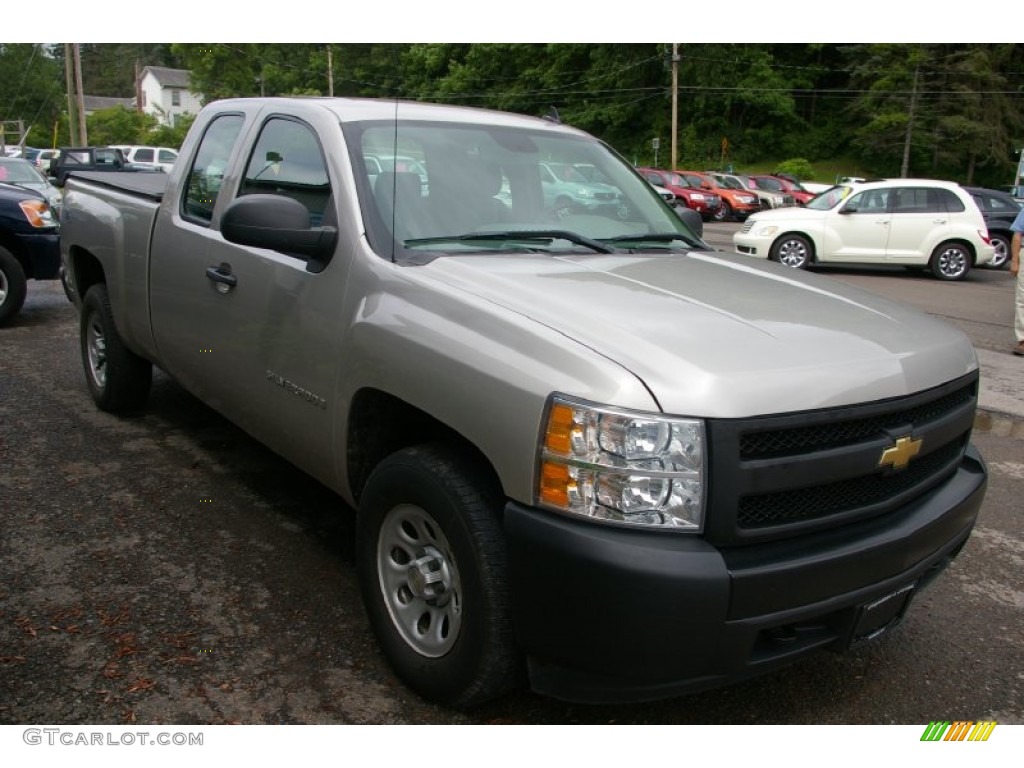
721 335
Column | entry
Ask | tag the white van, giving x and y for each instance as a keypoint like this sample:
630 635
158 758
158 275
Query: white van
156 157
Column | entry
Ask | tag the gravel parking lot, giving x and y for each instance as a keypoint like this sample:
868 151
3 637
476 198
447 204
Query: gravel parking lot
168 569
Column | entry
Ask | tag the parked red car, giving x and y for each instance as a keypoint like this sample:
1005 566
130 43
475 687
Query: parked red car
704 202
785 186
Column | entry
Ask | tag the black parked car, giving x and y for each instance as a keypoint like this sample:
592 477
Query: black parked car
999 209
29 245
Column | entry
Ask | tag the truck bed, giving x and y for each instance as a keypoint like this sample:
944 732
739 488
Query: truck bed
144 184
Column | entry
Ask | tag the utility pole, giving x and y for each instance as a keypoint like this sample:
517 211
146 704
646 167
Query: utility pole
905 167
69 76
138 87
82 133
330 71
675 102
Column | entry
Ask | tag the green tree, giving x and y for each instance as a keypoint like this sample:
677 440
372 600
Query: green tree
118 125
31 90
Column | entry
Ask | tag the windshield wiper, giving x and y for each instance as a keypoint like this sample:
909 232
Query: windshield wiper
546 235
656 237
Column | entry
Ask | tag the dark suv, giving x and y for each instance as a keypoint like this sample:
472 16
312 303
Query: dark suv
29 245
999 209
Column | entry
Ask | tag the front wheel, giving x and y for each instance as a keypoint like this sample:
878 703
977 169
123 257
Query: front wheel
13 285
118 379
723 212
1002 245
950 261
433 572
793 251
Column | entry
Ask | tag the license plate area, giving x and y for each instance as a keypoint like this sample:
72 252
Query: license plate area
880 615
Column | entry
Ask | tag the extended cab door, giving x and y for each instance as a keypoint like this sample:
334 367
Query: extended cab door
252 331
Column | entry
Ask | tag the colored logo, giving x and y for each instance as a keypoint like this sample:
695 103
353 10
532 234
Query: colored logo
958 730
898 456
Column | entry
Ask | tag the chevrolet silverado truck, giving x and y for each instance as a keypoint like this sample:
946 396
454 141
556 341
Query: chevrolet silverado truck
584 450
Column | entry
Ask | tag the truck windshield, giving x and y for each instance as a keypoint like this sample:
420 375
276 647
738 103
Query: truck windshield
453 187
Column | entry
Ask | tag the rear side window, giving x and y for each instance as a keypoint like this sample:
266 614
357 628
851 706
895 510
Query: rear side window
926 200
207 172
144 155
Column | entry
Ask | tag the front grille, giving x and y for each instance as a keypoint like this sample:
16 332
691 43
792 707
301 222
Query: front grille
754 445
778 476
747 226
845 496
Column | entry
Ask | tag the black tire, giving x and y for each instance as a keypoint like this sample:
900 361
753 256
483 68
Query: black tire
723 212
793 251
950 261
1002 245
118 379
13 286
433 567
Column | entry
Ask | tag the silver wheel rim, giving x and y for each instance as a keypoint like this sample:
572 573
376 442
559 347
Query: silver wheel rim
419 580
1001 253
792 253
96 346
952 262
3 288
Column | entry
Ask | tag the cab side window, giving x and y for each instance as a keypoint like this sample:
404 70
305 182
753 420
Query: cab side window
207 172
287 161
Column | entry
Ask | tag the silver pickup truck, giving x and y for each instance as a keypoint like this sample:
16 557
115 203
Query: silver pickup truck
585 450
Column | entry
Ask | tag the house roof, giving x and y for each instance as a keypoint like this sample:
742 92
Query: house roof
169 78
93 103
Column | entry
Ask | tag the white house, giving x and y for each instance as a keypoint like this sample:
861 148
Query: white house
166 95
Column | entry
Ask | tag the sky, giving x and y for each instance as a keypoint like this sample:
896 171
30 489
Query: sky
795 21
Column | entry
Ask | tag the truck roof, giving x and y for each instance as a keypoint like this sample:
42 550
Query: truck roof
353 109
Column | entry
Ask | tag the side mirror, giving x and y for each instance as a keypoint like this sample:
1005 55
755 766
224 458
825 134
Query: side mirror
281 224
692 219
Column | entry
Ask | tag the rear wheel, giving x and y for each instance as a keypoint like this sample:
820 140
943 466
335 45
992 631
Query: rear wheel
1002 245
433 573
793 251
13 285
118 379
950 261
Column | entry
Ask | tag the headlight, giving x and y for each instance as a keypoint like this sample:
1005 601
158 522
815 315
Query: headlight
698 196
747 200
38 213
765 231
622 466
584 192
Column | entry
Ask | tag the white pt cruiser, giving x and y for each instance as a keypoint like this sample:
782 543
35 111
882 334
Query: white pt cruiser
910 222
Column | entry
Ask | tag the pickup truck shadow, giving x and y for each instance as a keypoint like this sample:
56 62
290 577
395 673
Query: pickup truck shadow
218 446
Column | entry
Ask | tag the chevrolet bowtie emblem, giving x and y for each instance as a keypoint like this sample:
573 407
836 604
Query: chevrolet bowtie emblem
899 455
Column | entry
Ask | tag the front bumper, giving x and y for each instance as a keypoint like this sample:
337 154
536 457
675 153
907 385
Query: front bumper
42 250
608 614
749 245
